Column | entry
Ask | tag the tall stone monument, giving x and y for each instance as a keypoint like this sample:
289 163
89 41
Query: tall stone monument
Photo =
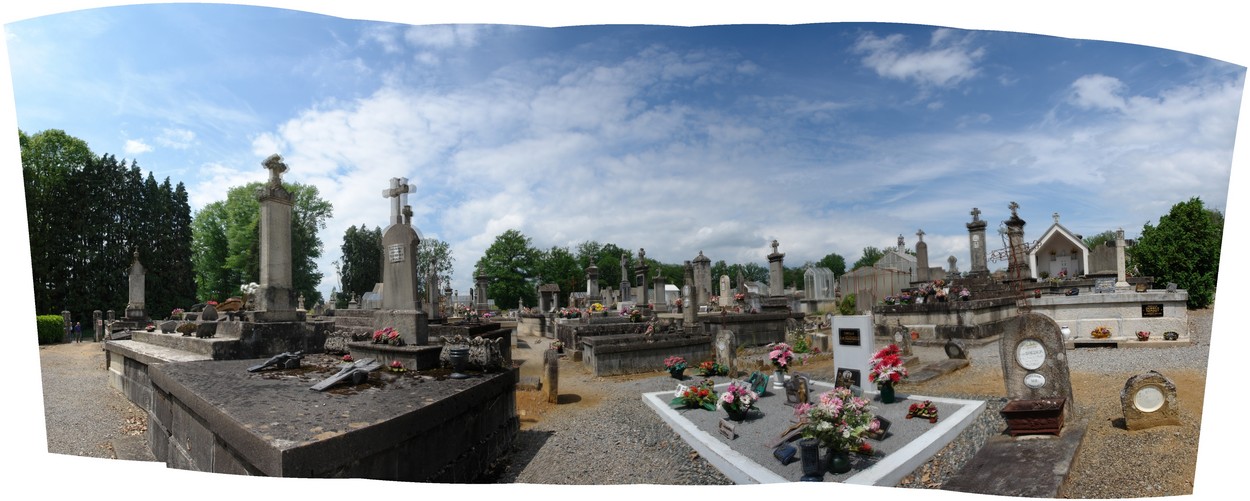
481 302
275 298
401 304
592 285
690 314
976 245
641 272
134 308
922 257
1121 275
702 290
658 283
1018 254
625 286
776 272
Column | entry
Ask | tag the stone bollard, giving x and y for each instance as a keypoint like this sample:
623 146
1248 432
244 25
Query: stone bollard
727 351
551 375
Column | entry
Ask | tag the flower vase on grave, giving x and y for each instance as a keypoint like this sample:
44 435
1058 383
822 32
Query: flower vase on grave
839 461
677 373
736 413
809 452
887 392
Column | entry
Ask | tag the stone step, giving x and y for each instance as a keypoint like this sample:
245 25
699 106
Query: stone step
150 353
214 348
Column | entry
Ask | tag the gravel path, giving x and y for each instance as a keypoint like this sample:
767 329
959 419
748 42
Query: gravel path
83 414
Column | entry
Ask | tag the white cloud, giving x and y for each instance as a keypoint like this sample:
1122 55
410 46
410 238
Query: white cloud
946 62
1098 92
444 36
135 147
180 139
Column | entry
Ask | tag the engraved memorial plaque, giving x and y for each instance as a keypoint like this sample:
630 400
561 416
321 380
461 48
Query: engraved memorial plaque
1030 354
1152 310
1034 380
396 253
848 337
1148 399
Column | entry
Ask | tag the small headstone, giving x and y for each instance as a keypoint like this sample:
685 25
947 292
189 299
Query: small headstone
728 429
727 351
1035 364
551 375
209 314
1149 400
1171 287
169 326
955 349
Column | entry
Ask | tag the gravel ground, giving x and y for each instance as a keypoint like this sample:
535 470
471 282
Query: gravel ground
601 433
83 414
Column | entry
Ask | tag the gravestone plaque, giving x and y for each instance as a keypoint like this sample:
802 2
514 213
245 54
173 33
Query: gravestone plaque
848 337
1034 361
1142 287
1104 285
1152 310
1149 400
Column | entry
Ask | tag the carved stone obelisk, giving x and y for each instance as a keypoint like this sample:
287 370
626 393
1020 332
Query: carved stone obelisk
275 299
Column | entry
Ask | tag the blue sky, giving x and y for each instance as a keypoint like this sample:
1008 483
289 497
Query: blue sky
744 126
827 137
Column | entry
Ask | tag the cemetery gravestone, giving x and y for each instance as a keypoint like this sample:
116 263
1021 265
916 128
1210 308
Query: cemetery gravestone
853 348
275 297
401 303
135 308
1034 362
726 293
551 375
727 351
1149 400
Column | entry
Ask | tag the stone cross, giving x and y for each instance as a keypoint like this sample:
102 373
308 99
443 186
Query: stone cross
775 244
920 234
399 188
624 259
276 168
976 214
1055 216
900 241
1013 206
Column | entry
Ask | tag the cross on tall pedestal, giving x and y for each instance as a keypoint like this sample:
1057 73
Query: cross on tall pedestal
775 244
920 234
398 193
276 168
976 214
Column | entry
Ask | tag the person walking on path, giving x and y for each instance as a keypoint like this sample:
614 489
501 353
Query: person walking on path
77 332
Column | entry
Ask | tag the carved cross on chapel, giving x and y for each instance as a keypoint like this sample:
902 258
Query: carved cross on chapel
398 195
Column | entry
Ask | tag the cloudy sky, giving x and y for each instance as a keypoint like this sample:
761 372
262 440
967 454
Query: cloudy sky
826 137
741 126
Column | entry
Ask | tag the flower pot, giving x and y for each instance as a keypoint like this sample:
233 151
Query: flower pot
887 392
839 461
736 414
779 379
809 453
459 357
677 373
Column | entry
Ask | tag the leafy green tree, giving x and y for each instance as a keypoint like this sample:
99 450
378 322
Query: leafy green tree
754 272
361 262
226 242
510 262
870 257
1184 248
435 253
558 266
49 159
605 256
834 262
1099 239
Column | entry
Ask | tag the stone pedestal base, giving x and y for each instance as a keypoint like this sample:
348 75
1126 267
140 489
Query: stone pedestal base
413 325
276 316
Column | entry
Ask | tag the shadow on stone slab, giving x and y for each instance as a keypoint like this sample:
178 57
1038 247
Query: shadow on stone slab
527 445
1120 423
568 398
1034 466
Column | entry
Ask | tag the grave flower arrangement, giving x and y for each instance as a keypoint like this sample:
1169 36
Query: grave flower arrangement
347 359
840 420
710 368
695 397
397 366
176 313
387 335
597 308
558 346
569 313
713 300
781 356
887 366
891 300
674 364
1100 332
737 400
904 298
740 296
924 410
1143 335
635 315
964 294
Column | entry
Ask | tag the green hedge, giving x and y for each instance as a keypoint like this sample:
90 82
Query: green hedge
51 328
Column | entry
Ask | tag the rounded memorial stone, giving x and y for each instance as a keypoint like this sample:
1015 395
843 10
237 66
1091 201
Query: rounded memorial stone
1148 399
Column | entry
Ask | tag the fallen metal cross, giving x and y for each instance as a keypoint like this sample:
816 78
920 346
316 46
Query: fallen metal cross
285 360
357 371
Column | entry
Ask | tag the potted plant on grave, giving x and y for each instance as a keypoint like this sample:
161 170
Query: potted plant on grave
1100 332
1143 335
397 366
347 359
387 335
558 346
840 421
890 300
176 314
710 368
598 308
738 400
702 396
904 298
676 366
887 370
781 355
635 315
964 294
740 297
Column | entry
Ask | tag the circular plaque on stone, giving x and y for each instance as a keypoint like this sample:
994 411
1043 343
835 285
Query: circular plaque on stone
1030 354
1034 380
898 337
1148 399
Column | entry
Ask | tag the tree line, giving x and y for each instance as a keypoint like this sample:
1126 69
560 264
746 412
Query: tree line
86 214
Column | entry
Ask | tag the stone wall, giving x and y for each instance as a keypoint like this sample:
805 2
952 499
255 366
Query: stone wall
572 332
530 326
610 355
751 329
1121 312
975 319
450 431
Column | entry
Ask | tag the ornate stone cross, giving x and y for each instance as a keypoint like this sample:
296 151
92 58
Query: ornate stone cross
774 246
920 234
976 214
1055 216
398 195
1013 206
276 168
